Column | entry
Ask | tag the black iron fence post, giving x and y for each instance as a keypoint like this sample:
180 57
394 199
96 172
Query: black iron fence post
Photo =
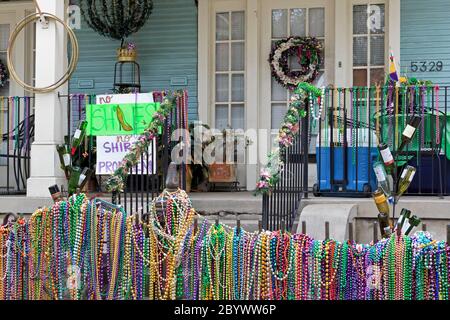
305 152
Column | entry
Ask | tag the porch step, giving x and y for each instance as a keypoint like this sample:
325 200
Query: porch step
249 222
226 202
423 206
22 204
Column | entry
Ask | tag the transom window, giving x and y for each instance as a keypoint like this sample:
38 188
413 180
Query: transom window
230 70
368 44
293 22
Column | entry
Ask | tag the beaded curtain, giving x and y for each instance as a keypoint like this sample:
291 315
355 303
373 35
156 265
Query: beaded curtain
80 249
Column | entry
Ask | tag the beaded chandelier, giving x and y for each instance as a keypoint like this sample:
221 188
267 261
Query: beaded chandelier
116 19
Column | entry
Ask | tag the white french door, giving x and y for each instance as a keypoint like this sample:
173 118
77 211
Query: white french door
228 39
282 19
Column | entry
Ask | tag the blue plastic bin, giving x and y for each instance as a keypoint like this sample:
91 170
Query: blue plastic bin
433 171
350 174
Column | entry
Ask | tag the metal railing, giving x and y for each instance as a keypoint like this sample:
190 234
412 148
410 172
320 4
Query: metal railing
356 120
281 205
349 128
17 134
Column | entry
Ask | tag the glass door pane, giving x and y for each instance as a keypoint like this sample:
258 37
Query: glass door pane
279 23
317 22
230 70
298 22
4 38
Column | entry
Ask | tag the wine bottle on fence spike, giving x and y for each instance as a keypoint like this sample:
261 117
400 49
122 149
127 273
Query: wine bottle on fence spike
67 142
78 136
385 224
410 224
64 158
382 177
405 214
55 193
383 216
74 179
410 131
386 155
84 177
405 180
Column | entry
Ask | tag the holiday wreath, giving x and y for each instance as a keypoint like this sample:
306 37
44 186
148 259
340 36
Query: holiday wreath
3 75
309 53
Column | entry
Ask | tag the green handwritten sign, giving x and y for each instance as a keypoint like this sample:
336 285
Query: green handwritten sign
119 119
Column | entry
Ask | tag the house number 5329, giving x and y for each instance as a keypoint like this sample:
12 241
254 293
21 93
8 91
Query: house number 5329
426 66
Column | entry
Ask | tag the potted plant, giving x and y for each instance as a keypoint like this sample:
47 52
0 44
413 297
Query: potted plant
197 175
225 171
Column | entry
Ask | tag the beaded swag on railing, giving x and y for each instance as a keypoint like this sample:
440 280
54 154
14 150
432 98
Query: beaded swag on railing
88 249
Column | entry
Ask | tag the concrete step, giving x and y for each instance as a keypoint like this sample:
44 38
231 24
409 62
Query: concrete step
231 202
433 211
248 222
22 204
425 206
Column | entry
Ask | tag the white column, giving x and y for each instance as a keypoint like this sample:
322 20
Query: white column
252 87
50 113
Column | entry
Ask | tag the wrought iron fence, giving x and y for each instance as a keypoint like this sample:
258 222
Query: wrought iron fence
280 207
17 134
355 120
349 128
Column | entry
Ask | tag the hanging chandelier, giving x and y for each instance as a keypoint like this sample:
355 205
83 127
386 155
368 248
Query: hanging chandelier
116 19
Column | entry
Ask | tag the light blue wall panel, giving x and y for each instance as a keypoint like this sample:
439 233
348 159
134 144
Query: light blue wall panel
167 50
425 37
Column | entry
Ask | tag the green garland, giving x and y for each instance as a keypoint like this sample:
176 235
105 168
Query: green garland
270 175
116 182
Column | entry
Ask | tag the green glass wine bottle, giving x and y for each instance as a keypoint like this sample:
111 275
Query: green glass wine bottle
78 136
74 179
84 177
64 158
405 180
410 224
409 131
404 215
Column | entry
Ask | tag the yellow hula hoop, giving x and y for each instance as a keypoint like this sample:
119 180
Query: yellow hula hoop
72 64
